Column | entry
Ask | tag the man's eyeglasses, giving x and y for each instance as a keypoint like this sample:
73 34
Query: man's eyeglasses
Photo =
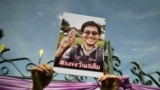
94 33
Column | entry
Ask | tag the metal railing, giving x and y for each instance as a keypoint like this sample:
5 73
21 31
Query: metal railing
112 63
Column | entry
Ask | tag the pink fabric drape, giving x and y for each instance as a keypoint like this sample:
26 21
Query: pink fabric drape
10 83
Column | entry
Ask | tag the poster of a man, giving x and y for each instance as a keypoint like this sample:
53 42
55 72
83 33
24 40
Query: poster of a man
80 45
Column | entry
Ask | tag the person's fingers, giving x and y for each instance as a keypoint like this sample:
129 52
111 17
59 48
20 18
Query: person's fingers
65 42
110 81
45 68
36 69
35 76
101 78
49 69
72 34
35 73
62 43
104 70
104 78
41 66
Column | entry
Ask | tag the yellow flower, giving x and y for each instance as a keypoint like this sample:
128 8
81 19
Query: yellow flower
2 47
41 52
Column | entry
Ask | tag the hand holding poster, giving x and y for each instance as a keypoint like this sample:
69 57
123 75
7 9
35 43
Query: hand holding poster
80 45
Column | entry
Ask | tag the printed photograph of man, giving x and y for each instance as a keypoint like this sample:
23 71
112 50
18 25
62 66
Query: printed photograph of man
82 48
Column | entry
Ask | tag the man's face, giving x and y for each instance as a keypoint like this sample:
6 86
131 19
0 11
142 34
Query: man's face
91 35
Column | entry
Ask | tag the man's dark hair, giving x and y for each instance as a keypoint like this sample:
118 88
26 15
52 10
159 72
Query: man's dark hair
91 23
